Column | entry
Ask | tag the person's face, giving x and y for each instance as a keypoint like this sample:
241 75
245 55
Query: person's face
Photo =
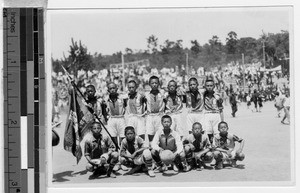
209 86
130 135
96 130
223 129
197 130
193 85
90 91
132 88
172 87
112 88
154 84
166 122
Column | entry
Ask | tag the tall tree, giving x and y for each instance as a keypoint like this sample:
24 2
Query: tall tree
195 48
152 43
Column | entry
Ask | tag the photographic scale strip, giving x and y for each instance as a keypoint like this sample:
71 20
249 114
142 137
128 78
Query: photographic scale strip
24 100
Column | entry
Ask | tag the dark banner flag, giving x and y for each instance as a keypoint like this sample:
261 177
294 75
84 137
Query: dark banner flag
78 124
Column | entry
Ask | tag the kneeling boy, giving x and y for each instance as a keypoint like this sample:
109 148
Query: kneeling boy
100 151
134 151
224 144
197 148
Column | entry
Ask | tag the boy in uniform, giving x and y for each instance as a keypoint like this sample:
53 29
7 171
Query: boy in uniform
197 148
155 108
194 103
213 109
134 152
224 147
114 109
135 109
93 102
167 139
173 107
100 151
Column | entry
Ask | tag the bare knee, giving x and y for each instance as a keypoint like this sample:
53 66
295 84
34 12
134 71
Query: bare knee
147 154
240 156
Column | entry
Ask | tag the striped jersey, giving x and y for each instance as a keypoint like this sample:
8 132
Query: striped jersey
155 103
213 104
173 104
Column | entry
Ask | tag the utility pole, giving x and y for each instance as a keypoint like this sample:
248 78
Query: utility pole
123 73
243 60
264 59
187 64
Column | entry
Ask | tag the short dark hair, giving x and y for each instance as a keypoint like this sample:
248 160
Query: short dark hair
166 117
196 123
193 79
91 86
132 81
96 122
209 80
129 128
153 78
172 81
223 122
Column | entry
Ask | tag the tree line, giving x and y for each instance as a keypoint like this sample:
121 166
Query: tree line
172 53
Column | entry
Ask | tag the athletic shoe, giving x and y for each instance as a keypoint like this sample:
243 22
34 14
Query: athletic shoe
219 165
233 163
187 168
117 167
151 173
161 168
124 168
111 175
175 168
133 170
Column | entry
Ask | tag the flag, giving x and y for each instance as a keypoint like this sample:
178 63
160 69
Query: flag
78 124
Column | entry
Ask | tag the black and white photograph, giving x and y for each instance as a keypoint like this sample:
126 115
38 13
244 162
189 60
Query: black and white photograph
181 96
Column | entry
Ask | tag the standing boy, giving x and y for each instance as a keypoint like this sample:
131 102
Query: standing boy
135 109
114 111
174 107
134 152
224 144
213 109
100 151
194 103
155 108
93 102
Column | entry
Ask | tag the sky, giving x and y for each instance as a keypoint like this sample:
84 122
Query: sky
108 31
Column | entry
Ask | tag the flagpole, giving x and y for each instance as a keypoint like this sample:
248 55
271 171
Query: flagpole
90 109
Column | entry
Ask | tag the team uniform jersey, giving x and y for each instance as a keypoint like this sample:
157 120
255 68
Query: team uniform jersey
195 106
196 148
95 148
135 110
155 108
171 142
197 145
226 143
131 147
173 107
213 107
115 111
96 107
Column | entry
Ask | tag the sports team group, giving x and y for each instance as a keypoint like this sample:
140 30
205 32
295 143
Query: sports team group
198 141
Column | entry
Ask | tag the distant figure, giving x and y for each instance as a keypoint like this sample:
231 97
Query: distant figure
233 103
286 109
254 99
279 100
